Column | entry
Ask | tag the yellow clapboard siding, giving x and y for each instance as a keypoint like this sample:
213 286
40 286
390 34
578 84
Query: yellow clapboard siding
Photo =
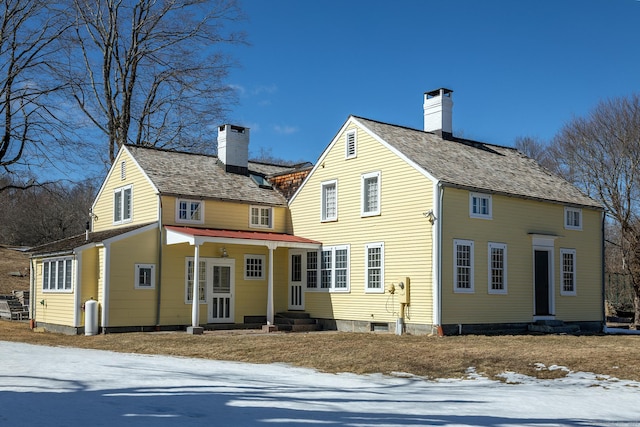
225 215
89 277
144 199
405 195
514 221
128 305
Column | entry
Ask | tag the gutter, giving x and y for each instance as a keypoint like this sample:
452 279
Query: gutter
602 275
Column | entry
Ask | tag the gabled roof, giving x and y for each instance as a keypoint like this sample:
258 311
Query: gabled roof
478 166
201 176
68 245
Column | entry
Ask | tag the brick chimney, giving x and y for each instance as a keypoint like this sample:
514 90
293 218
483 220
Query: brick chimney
437 112
233 148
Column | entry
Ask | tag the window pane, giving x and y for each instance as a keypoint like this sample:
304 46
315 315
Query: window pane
45 275
567 272
296 268
254 268
463 263
329 201
195 211
126 214
67 276
497 268
371 194
117 206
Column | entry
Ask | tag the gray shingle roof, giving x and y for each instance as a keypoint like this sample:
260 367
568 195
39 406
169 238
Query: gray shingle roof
66 246
201 176
479 166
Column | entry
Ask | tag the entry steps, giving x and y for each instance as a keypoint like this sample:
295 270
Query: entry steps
553 327
288 321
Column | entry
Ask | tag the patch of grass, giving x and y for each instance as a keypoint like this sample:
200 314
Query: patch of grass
363 353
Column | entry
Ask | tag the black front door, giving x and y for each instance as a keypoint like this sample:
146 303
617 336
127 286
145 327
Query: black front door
541 280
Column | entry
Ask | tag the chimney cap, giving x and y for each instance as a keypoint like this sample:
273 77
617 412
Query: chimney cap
438 92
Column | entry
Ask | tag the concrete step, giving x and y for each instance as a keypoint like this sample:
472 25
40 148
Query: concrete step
294 314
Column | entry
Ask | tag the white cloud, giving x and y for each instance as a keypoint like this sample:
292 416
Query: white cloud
285 129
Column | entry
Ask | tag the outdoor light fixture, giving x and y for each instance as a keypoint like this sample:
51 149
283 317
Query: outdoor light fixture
430 216
224 252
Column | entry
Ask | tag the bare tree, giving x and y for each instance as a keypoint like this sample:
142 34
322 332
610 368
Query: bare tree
153 72
537 150
601 153
29 30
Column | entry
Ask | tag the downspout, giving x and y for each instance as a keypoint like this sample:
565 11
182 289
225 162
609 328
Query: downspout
32 295
437 260
77 288
105 287
270 316
195 296
159 274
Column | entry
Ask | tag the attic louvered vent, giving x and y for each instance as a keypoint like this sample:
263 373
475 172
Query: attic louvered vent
350 145
123 170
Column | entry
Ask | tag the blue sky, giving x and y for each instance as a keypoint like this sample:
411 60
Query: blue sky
517 68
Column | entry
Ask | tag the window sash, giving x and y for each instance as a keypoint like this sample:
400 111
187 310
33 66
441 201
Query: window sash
122 204
568 260
329 201
145 276
374 274
573 218
261 216
254 266
480 205
190 211
463 266
497 268
371 194
312 270
57 275
202 281
334 269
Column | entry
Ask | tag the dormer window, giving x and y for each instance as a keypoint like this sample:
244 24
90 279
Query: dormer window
350 145
190 211
480 206
261 181
573 218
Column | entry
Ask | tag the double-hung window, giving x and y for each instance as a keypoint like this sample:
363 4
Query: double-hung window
568 260
480 206
122 204
374 267
334 268
463 266
497 268
190 211
261 217
573 218
202 281
312 270
145 276
370 194
57 275
329 208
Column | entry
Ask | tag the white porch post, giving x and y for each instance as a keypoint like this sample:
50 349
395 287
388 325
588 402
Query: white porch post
195 295
270 286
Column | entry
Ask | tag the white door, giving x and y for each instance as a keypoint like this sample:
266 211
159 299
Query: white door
296 282
221 287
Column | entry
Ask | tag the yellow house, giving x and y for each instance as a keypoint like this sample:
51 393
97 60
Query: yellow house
429 233
157 215
392 229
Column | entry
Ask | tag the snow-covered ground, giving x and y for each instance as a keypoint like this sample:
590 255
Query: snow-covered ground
56 386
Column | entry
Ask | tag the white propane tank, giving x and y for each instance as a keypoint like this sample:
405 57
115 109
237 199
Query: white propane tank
91 317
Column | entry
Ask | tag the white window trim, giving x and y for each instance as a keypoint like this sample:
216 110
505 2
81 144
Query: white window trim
259 224
480 196
502 246
456 289
186 279
121 190
262 259
573 227
363 179
332 288
575 273
55 261
137 276
355 144
323 216
190 221
367 289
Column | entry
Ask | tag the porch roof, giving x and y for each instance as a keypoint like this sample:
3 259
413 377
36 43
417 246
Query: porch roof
198 236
